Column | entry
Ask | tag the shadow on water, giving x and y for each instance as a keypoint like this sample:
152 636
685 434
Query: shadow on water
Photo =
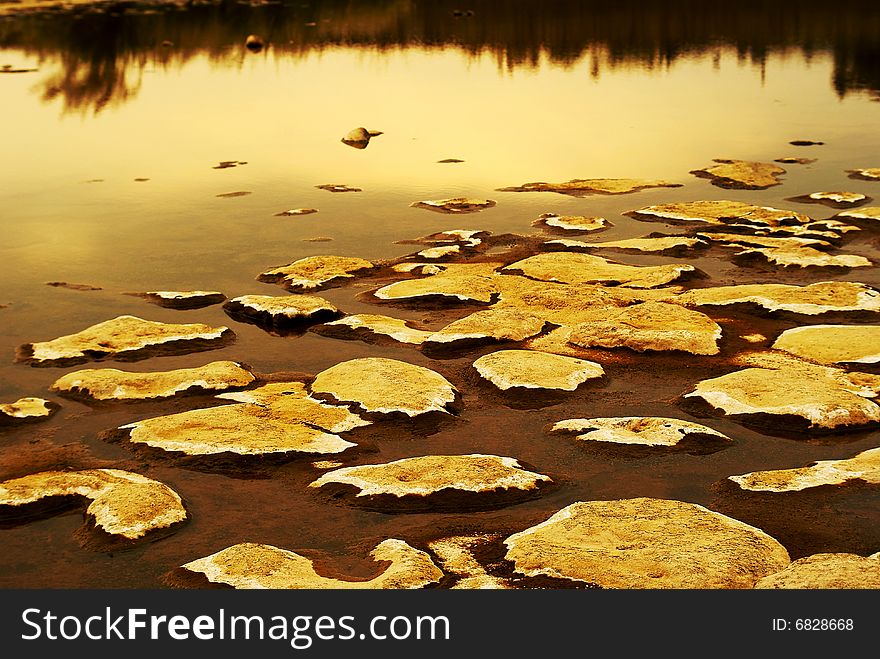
101 50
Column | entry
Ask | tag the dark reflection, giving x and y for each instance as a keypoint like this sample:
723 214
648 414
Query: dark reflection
103 49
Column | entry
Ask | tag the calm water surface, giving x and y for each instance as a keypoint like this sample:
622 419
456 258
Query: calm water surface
517 92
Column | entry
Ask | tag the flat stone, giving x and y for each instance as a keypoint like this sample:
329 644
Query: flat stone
818 298
664 245
386 386
791 393
499 324
250 565
314 272
584 187
456 205
827 571
456 556
123 337
720 212
803 257
429 475
646 543
337 187
122 503
784 243
73 287
462 237
278 311
439 252
530 369
741 174
834 199
293 401
650 326
832 344
370 325
283 424
869 174
26 410
112 384
461 282
184 299
579 223
864 467
573 268
296 211
637 430
870 213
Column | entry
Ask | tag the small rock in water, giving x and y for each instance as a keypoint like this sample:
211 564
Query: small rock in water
226 164
141 180
318 239
359 138
240 193
869 174
835 199
449 160
338 187
741 174
455 205
73 287
254 43
791 160
296 211
26 410
805 143
182 299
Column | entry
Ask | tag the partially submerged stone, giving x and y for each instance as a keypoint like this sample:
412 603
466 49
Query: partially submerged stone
804 257
284 426
741 174
237 193
720 212
251 565
573 268
584 187
827 571
73 287
280 311
432 476
864 468
832 344
386 386
792 395
456 205
869 213
775 242
112 384
439 252
371 325
314 272
123 337
660 245
579 223
837 199
456 556
296 211
184 299
458 282
498 324
359 138
122 503
869 174
461 237
818 298
806 143
529 369
338 187
793 160
646 543
638 430
26 410
650 326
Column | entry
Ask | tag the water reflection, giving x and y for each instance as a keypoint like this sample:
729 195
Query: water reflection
101 51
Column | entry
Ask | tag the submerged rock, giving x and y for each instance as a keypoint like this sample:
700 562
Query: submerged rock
499 324
579 223
280 311
818 298
650 326
741 174
124 337
386 386
26 410
112 384
584 187
250 565
366 326
827 571
572 268
508 369
314 272
425 480
869 174
646 543
832 344
455 205
862 468
122 503
183 299
338 187
790 395
639 430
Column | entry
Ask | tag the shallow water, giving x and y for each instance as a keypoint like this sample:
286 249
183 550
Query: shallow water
529 95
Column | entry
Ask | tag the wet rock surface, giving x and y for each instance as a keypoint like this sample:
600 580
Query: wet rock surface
124 337
26 410
741 174
529 369
864 468
832 344
646 543
251 565
316 272
436 482
110 384
827 571
283 311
